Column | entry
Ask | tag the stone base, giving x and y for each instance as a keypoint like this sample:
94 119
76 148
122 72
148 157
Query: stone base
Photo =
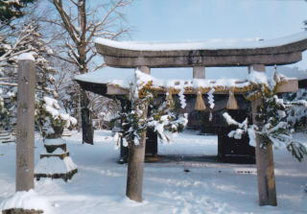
56 163
21 211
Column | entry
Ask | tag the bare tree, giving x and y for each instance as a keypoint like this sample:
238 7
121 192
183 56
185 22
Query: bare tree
82 24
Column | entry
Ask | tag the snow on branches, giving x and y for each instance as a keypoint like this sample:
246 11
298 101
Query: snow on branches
27 43
273 125
298 111
50 120
136 119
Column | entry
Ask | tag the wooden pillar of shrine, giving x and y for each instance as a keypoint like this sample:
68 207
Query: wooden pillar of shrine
136 160
264 158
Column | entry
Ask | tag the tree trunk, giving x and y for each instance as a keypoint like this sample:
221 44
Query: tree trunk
25 126
86 116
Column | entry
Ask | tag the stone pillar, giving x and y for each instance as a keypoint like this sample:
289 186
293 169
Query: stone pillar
264 158
136 160
25 125
199 72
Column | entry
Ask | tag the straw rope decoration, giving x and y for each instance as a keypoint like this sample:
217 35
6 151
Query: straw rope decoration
200 103
250 91
232 103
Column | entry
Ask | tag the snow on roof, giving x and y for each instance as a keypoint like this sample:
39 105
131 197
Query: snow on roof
213 44
123 77
126 78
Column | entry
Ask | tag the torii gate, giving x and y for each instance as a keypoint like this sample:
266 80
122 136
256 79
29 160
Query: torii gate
254 54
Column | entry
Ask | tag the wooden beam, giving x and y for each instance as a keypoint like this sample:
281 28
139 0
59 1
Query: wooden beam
25 126
264 159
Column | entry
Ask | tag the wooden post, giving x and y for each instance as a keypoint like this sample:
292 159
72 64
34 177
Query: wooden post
25 125
136 161
264 160
199 72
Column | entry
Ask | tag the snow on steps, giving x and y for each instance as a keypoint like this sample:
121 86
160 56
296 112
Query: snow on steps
56 163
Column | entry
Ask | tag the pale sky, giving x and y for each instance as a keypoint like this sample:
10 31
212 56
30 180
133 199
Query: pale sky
196 20
168 20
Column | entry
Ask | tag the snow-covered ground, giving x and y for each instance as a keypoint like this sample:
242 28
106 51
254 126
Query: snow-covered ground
209 187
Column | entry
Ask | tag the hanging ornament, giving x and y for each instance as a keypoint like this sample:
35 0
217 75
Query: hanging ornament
200 104
169 99
232 102
211 98
182 98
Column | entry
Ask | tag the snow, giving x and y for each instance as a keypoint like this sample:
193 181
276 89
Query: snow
213 44
108 74
26 56
54 165
229 119
54 141
209 187
258 77
27 200
229 76
267 78
252 135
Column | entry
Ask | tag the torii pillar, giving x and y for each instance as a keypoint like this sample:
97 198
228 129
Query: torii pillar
136 160
264 157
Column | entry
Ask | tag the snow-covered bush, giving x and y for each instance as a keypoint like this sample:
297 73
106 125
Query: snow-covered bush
144 112
161 119
49 119
272 125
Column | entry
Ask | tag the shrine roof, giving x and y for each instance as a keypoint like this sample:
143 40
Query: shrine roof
210 53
